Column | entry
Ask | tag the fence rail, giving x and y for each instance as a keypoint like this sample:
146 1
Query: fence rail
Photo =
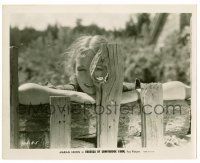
152 124
109 92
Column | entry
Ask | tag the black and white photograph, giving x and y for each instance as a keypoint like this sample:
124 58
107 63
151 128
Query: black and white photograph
97 81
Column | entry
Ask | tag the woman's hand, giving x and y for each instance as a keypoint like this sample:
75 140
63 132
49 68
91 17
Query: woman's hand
173 90
35 94
130 96
81 97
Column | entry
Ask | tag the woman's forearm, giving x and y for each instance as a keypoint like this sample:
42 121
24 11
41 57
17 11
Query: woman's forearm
176 90
35 94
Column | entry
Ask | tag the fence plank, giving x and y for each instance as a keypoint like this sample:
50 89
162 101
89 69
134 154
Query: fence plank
60 122
14 122
152 115
108 96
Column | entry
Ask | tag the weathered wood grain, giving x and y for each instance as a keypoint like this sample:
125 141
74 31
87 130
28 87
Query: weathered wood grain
108 95
14 123
152 113
60 122
83 124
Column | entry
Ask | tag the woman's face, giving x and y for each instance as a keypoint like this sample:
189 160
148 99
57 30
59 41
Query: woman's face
84 79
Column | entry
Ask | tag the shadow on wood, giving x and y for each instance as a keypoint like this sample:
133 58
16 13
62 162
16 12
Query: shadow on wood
152 114
60 122
108 93
14 122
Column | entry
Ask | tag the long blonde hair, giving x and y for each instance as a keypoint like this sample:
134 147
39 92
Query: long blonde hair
81 44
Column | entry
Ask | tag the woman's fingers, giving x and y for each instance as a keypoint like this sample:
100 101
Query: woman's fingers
130 96
82 98
127 97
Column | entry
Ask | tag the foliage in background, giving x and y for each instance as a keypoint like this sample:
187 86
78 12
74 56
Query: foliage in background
41 52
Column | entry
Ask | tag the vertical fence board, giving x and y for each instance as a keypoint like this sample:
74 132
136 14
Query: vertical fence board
152 115
14 122
60 122
108 95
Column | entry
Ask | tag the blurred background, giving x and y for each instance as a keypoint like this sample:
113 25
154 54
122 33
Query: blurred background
156 46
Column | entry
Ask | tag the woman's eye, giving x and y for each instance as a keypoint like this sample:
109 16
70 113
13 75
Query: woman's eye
99 69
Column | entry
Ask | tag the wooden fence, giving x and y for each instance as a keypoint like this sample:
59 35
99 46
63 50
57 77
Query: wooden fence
109 91
107 132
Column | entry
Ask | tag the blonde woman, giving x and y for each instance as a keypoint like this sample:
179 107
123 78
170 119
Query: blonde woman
81 87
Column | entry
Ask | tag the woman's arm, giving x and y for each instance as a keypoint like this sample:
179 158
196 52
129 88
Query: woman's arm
35 94
174 90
